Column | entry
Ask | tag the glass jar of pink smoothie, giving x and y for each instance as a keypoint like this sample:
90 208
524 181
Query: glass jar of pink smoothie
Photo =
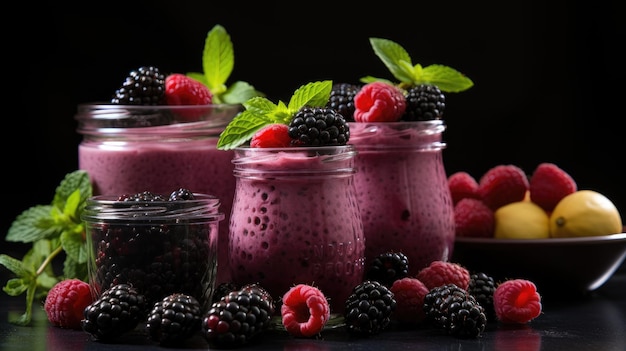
295 219
402 190
130 149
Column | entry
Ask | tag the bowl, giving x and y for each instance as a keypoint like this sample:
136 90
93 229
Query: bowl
564 265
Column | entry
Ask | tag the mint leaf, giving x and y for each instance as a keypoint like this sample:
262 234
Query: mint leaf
392 54
312 94
16 286
239 91
398 62
218 60
74 245
446 78
15 266
33 224
77 180
241 129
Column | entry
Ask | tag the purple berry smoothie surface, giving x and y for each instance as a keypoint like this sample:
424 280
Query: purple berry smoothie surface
292 222
402 191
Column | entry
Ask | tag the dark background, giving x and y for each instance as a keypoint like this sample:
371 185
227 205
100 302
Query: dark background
548 78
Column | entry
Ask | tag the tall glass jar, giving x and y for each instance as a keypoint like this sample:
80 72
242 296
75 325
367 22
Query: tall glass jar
403 191
159 247
295 219
130 149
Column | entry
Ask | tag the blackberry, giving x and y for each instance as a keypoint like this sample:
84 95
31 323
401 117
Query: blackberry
318 126
454 310
369 308
238 317
388 267
175 318
223 289
342 99
424 103
117 311
482 287
143 86
181 194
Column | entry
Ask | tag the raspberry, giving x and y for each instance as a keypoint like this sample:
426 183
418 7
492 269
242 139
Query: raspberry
517 301
409 294
462 185
502 185
440 273
304 311
66 302
472 218
379 102
549 184
272 135
183 90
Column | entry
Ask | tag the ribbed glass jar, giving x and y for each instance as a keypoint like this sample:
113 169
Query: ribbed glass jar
295 219
130 149
160 247
403 191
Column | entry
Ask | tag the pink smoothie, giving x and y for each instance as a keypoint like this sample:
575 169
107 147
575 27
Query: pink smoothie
402 190
295 219
160 159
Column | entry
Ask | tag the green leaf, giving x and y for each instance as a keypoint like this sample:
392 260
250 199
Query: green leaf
74 245
32 224
218 59
315 94
16 266
399 63
239 92
72 268
17 286
241 129
392 54
446 78
77 180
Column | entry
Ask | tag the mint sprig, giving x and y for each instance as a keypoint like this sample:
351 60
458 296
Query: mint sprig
218 62
260 111
52 229
400 64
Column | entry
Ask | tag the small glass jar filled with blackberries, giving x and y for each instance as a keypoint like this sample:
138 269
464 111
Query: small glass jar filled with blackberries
159 244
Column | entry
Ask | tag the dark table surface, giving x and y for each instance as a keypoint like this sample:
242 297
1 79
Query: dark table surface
596 321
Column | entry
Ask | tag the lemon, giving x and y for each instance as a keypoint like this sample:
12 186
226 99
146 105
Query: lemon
584 213
521 220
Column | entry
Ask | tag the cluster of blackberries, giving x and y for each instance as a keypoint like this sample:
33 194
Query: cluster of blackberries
121 308
157 259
